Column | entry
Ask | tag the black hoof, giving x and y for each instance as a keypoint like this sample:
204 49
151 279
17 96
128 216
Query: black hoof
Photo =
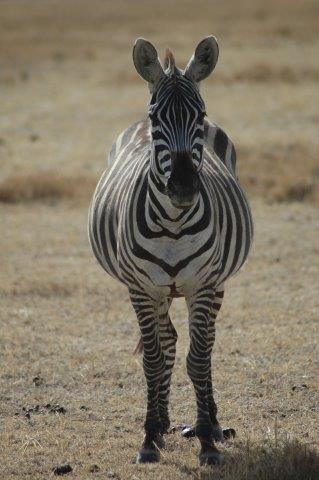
148 455
209 458
188 432
219 434
229 433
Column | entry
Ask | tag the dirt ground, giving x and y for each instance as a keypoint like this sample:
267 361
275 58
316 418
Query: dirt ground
70 389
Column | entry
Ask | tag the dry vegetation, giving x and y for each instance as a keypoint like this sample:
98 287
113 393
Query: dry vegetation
67 331
46 185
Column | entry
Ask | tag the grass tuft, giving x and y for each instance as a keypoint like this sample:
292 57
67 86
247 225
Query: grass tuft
290 460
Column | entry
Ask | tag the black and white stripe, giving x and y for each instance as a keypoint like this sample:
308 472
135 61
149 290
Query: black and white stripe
161 251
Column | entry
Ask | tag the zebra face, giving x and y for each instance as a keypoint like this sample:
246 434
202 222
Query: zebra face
177 112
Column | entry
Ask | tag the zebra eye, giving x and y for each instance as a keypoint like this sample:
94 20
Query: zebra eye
201 116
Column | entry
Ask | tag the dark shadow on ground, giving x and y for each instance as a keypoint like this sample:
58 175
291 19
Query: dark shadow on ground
290 460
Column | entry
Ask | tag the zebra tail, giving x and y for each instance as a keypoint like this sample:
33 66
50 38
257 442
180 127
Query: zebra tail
139 347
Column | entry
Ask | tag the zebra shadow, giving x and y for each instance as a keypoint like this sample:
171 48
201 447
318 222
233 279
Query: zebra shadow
290 460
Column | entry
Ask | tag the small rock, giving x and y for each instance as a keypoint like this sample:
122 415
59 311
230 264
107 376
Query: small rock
38 381
34 137
304 386
57 409
84 408
236 351
94 469
62 469
24 75
58 56
111 474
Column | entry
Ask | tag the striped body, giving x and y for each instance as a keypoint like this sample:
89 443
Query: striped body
136 241
169 219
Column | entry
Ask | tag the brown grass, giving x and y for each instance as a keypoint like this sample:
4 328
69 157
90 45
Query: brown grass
68 88
256 73
65 321
280 173
290 460
45 288
277 173
46 186
267 73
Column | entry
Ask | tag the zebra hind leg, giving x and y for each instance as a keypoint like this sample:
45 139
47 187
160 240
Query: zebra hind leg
154 369
168 338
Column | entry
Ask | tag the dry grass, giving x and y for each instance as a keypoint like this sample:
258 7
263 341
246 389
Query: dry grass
278 173
46 186
76 331
290 460
68 88
265 73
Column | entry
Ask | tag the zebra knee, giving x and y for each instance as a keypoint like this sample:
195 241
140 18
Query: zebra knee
197 373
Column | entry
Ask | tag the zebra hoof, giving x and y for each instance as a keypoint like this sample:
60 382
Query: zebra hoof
211 457
188 432
229 433
148 455
218 434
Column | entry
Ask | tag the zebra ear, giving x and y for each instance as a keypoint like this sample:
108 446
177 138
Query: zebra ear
146 62
204 60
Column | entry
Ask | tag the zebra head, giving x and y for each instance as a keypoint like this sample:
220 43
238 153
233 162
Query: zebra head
177 112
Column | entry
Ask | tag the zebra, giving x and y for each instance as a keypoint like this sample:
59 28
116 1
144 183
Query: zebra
169 219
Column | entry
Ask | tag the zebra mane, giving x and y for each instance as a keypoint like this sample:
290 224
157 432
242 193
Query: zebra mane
169 64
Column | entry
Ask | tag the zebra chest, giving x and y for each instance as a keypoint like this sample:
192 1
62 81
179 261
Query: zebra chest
169 264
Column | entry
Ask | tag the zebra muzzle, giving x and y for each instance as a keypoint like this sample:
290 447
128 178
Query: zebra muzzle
183 194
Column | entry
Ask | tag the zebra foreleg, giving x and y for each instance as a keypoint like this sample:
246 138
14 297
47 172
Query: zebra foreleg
154 369
219 434
200 308
168 338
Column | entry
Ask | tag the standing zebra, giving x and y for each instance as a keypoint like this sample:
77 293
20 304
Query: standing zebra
169 219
